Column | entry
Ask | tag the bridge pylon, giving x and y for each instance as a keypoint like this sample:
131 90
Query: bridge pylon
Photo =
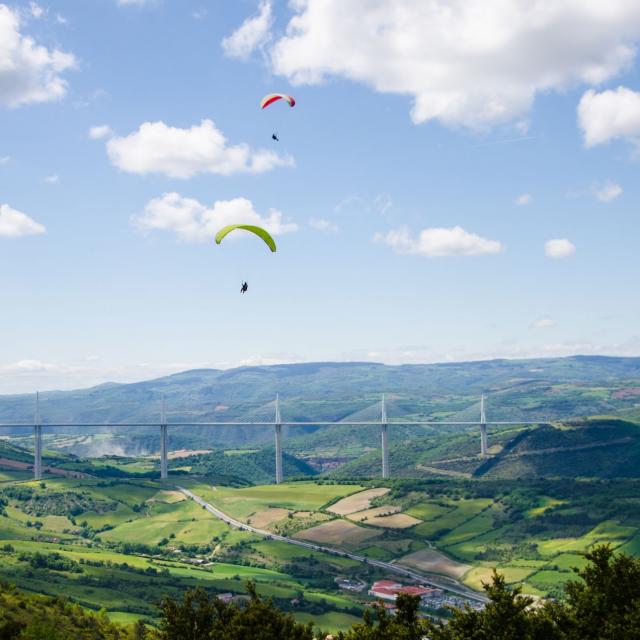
484 442
384 442
164 463
278 435
37 433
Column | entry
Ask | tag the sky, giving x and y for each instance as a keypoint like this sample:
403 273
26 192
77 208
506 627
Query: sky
458 180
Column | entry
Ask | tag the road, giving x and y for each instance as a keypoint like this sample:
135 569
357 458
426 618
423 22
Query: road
451 586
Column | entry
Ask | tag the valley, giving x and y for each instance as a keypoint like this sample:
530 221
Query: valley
102 528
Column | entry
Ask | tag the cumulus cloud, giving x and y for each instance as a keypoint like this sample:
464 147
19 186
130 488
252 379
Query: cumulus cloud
52 179
326 226
439 242
254 32
543 323
193 221
474 63
28 72
14 224
182 153
559 248
607 192
523 199
100 131
610 115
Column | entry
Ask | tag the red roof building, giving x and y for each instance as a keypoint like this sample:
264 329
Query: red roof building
389 590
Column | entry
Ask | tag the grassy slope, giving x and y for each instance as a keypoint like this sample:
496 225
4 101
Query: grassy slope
131 583
605 447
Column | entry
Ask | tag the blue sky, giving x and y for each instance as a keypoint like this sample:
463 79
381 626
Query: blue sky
431 156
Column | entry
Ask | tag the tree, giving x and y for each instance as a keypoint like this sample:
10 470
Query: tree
507 616
605 603
404 625
200 617
191 619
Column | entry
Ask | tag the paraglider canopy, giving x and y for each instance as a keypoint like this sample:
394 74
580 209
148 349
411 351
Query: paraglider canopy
274 97
259 231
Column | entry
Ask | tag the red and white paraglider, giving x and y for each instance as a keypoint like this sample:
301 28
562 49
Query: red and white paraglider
270 98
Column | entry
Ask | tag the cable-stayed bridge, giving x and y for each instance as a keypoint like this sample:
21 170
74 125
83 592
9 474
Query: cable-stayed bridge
269 415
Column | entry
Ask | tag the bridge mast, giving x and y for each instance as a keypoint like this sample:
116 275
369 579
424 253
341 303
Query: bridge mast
37 432
483 429
278 433
164 466
383 438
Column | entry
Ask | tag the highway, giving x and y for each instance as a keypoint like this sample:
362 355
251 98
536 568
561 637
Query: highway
431 581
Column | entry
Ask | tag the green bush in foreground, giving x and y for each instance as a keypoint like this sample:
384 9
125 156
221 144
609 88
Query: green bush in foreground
29 617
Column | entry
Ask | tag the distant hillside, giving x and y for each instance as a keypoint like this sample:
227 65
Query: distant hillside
603 448
517 389
237 469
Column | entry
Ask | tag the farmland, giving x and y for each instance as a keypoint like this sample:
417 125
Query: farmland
123 542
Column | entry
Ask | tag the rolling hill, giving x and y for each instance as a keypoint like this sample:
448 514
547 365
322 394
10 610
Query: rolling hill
591 448
525 390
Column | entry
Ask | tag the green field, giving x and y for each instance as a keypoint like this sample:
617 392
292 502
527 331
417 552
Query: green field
139 541
300 496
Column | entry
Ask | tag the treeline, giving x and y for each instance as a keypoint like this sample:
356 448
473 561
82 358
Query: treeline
55 503
602 604
243 469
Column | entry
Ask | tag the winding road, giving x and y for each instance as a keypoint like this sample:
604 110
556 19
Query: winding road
447 585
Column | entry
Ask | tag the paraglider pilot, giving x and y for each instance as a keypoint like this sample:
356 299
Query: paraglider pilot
244 287
274 136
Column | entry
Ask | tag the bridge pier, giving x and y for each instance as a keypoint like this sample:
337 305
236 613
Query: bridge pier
164 465
37 449
384 442
484 442
278 436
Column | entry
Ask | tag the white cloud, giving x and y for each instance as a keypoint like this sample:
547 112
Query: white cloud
474 63
183 153
320 224
439 242
134 2
254 32
61 19
35 10
52 179
14 224
30 365
192 221
524 199
199 14
608 115
100 131
543 323
559 248
5 159
28 72
607 192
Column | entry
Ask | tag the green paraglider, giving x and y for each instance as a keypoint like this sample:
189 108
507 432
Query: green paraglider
259 231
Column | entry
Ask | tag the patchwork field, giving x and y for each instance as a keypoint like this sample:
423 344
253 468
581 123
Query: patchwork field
337 533
357 502
433 561
243 503
262 519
